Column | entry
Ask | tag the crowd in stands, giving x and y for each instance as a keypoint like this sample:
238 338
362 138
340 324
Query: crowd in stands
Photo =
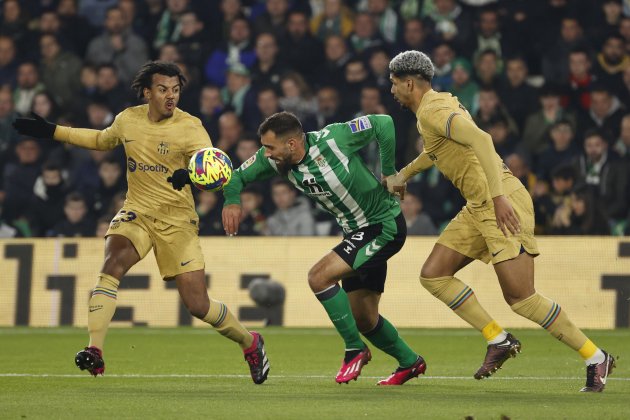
548 79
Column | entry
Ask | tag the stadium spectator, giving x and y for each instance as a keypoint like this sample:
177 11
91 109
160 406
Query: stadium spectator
267 69
519 97
111 181
95 11
60 71
378 61
335 19
387 20
74 27
8 62
505 142
328 106
608 22
208 209
254 221
273 19
489 36
169 27
78 221
443 56
356 76
605 112
8 136
452 23
293 215
365 35
193 44
28 84
210 108
580 80
19 178
237 49
555 61
119 46
332 70
582 215
621 146
247 145
110 90
418 222
605 174
466 90
537 125
552 206
487 68
102 226
46 208
610 63
490 106
415 37
14 23
562 149
45 106
302 51
519 166
298 99
267 104
230 130
238 92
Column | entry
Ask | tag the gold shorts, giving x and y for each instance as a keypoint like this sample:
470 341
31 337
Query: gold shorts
176 249
474 232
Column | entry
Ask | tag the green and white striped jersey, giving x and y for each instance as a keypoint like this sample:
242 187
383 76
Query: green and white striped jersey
333 174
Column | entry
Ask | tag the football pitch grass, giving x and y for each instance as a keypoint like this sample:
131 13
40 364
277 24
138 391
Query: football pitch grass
196 373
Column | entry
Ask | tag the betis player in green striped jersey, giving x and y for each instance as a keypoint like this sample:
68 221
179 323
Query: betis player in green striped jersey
325 165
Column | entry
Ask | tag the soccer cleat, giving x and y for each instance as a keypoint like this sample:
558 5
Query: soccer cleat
256 358
402 375
497 354
352 369
597 373
91 358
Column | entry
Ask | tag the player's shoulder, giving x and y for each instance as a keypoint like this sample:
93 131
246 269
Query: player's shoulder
133 112
436 105
184 118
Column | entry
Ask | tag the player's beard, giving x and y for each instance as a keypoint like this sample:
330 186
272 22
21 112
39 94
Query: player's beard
283 168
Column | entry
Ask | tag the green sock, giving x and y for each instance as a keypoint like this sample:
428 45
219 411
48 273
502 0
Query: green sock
335 301
385 337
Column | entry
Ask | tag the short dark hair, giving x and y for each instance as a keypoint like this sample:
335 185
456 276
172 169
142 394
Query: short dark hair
281 123
564 171
75 196
144 77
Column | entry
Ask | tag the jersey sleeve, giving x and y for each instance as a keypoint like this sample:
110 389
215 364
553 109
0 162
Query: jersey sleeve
256 168
105 139
357 133
419 164
199 138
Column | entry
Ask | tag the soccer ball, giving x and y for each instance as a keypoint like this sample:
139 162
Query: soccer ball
210 169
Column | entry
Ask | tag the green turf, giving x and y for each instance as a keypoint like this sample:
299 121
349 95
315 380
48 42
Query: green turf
204 376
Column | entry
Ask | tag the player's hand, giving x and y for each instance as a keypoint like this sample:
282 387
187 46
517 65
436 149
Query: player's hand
507 220
36 127
231 215
179 179
395 184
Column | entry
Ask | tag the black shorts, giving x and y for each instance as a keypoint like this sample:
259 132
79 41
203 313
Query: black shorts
367 250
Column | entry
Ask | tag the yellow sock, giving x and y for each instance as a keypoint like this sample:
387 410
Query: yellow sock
588 350
102 308
222 319
549 315
491 331
460 298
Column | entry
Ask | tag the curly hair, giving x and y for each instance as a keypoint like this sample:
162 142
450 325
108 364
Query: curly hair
412 63
144 77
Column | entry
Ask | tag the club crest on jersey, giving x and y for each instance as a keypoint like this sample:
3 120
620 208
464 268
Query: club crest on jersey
321 161
359 124
248 162
162 148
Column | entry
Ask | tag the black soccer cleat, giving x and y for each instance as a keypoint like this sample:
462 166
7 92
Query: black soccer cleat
91 358
596 374
256 358
497 354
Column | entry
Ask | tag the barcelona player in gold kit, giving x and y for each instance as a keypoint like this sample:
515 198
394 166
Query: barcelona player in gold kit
496 224
158 139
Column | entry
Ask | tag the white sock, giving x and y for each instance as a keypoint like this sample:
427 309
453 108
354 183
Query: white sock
499 338
597 358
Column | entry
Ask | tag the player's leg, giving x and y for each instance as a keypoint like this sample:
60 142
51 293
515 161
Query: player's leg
194 294
383 335
516 277
438 277
120 256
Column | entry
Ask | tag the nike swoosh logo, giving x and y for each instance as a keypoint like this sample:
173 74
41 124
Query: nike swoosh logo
185 263
494 254
128 141
95 309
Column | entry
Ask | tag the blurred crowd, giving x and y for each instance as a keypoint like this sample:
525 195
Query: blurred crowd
548 79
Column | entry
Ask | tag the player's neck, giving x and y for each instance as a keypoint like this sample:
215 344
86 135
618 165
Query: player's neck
417 99
156 117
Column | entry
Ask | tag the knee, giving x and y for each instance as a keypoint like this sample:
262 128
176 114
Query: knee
317 281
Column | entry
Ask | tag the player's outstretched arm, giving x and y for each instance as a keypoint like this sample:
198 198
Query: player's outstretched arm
231 216
36 127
